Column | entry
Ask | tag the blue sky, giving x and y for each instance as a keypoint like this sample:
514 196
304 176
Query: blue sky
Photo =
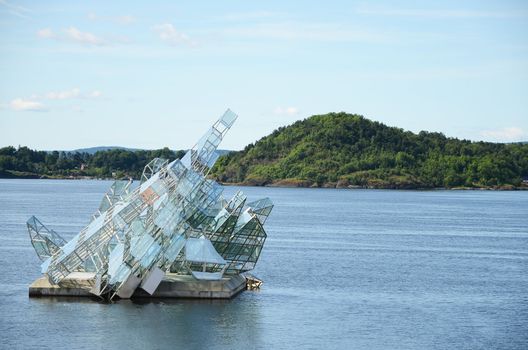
158 73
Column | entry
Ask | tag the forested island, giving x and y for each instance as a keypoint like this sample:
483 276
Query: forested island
332 150
347 150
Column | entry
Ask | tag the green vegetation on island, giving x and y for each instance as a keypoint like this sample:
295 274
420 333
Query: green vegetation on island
115 163
345 150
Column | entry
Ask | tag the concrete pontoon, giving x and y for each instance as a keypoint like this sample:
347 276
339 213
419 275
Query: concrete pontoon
79 284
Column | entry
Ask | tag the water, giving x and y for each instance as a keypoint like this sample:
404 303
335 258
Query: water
343 269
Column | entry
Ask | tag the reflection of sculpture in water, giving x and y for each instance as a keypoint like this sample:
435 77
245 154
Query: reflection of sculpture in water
175 221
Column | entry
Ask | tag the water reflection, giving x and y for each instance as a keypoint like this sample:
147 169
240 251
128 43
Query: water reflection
152 323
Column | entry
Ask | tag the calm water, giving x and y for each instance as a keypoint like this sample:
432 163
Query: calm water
343 269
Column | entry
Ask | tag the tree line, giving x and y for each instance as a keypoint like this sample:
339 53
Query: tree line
116 163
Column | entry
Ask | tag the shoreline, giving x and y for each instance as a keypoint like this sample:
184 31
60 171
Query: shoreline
407 188
285 184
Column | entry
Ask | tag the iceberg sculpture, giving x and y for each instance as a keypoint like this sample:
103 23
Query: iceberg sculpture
175 221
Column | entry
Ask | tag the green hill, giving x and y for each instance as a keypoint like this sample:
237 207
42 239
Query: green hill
346 150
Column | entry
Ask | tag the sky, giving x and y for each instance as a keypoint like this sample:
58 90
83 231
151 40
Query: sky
159 73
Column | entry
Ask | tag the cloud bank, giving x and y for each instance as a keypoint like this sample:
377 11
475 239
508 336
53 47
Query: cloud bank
35 102
73 35
20 104
508 134
286 110
167 33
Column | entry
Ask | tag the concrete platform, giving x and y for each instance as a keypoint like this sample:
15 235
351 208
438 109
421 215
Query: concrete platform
78 284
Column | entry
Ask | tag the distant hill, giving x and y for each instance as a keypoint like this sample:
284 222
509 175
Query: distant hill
347 150
92 150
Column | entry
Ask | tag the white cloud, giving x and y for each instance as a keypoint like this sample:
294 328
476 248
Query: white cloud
63 95
76 35
73 34
20 104
34 102
286 110
45 33
95 94
171 36
505 134
69 94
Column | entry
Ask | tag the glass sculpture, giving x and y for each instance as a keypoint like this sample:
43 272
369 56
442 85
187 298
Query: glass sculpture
175 220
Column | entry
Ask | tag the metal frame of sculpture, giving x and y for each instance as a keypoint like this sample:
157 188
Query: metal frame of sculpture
175 221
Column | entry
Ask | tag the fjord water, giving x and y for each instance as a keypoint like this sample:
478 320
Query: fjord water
342 269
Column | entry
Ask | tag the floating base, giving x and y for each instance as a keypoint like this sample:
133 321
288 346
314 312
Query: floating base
78 284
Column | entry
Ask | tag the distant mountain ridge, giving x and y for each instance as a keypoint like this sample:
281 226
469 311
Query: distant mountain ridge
348 150
93 150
